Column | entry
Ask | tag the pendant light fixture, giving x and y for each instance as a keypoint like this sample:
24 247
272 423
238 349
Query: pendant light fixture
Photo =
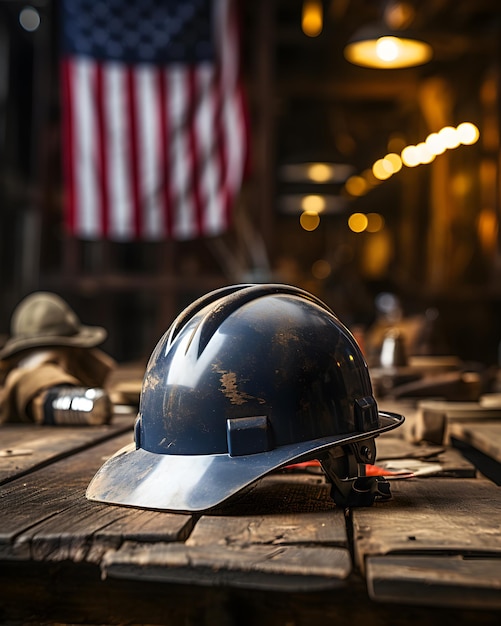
388 44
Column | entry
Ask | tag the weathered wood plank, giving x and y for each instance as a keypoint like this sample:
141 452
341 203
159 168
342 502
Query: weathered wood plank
65 593
450 581
45 516
389 446
327 528
447 462
26 447
485 437
431 515
283 492
435 418
256 566
298 541
85 531
438 542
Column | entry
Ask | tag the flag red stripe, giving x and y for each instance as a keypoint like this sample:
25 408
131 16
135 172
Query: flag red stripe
132 113
164 141
230 57
226 94
221 149
68 143
193 99
102 165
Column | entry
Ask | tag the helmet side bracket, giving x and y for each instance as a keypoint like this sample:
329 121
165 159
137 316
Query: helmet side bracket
349 485
248 435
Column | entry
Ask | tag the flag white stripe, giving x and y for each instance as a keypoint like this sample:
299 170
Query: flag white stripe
119 180
232 113
149 163
209 165
184 211
87 203
233 123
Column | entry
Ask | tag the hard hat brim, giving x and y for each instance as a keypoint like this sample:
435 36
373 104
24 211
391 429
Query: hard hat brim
189 483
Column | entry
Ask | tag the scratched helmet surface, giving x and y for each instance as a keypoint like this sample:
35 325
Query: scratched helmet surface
248 379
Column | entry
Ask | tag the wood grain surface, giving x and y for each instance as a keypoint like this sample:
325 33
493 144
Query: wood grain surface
25 447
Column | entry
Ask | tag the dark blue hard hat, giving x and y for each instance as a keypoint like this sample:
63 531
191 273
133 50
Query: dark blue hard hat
248 379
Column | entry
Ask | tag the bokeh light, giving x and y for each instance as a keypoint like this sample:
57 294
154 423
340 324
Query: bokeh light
435 144
29 18
468 133
313 203
382 169
410 156
375 222
357 222
395 162
357 186
449 136
321 269
424 153
312 18
320 172
309 220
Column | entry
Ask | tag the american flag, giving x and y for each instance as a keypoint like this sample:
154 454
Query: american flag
155 135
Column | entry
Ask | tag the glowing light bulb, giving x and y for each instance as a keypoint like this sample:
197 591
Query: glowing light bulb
395 161
424 153
382 169
449 136
468 133
410 156
387 48
435 144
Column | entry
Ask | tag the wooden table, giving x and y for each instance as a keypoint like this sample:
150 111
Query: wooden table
283 554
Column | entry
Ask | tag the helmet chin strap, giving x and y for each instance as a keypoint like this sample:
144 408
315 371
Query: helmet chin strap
350 488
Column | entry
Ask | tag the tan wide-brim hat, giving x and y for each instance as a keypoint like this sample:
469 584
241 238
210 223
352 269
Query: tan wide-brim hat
44 319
